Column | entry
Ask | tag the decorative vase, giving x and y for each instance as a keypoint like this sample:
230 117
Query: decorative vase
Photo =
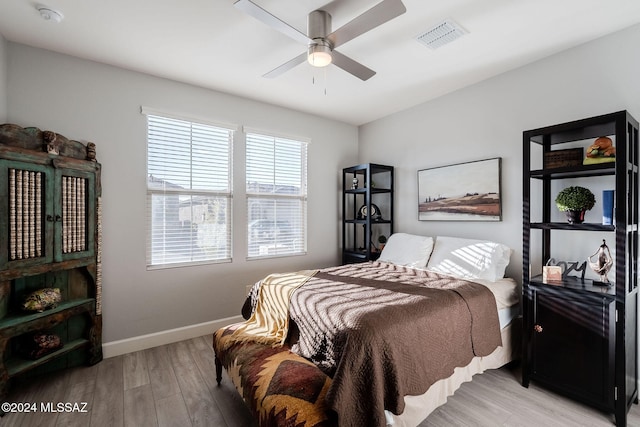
607 207
575 217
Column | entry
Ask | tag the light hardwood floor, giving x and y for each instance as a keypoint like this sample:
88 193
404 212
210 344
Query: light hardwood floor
174 385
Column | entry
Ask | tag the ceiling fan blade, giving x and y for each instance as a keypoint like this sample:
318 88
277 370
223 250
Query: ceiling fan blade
384 11
260 14
351 66
286 66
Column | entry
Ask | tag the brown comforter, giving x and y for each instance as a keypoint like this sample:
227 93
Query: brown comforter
383 332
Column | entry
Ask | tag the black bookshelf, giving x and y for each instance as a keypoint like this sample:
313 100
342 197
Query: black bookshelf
361 223
580 338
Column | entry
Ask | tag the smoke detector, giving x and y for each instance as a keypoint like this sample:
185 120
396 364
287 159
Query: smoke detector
49 14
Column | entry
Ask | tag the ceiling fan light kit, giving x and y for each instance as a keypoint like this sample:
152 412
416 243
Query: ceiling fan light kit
321 42
319 54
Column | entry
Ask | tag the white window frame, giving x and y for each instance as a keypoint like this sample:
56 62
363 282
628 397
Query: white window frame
273 245
189 259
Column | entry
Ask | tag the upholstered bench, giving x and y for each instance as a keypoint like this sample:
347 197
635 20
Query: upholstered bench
280 388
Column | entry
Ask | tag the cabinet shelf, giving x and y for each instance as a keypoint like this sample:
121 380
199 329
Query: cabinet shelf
364 191
17 366
365 221
601 169
575 284
26 322
577 130
35 269
585 226
373 255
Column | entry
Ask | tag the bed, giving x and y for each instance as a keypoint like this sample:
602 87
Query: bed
380 343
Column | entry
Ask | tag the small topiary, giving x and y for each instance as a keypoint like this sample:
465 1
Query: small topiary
575 198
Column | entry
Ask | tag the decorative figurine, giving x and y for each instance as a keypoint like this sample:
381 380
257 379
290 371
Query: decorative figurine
42 299
51 145
91 151
602 148
603 263
354 185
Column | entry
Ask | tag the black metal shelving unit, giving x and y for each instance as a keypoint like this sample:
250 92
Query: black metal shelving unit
580 338
374 191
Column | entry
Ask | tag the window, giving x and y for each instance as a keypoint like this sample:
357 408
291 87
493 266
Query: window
188 192
276 175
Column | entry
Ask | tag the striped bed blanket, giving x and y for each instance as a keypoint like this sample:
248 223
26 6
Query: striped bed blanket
379 332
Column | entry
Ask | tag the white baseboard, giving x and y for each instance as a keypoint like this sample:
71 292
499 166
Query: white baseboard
143 342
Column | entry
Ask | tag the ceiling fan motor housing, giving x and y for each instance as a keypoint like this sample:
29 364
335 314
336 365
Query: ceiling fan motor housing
319 26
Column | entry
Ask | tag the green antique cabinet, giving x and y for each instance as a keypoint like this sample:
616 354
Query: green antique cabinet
50 210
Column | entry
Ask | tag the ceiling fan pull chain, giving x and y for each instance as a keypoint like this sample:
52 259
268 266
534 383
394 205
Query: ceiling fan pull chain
325 81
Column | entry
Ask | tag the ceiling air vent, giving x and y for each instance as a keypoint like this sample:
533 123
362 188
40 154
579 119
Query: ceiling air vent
441 34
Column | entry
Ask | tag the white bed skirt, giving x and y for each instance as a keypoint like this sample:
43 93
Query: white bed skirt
417 408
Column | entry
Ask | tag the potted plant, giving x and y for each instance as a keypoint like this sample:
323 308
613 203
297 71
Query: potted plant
382 239
575 201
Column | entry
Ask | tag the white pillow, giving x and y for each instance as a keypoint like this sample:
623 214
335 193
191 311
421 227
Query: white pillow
407 249
469 259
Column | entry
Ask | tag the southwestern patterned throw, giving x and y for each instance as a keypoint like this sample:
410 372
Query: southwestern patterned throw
382 332
281 388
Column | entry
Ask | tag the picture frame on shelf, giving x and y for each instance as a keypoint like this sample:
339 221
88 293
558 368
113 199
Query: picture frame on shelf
551 273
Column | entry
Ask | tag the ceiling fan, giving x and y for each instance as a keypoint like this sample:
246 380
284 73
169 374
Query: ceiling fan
319 38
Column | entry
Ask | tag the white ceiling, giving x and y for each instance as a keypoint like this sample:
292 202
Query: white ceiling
210 43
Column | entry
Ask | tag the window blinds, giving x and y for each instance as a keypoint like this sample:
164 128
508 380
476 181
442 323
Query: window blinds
189 192
276 179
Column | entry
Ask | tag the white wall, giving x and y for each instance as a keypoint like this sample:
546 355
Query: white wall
3 79
88 101
93 102
487 120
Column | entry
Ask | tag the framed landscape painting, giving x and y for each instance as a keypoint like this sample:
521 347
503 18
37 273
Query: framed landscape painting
461 192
